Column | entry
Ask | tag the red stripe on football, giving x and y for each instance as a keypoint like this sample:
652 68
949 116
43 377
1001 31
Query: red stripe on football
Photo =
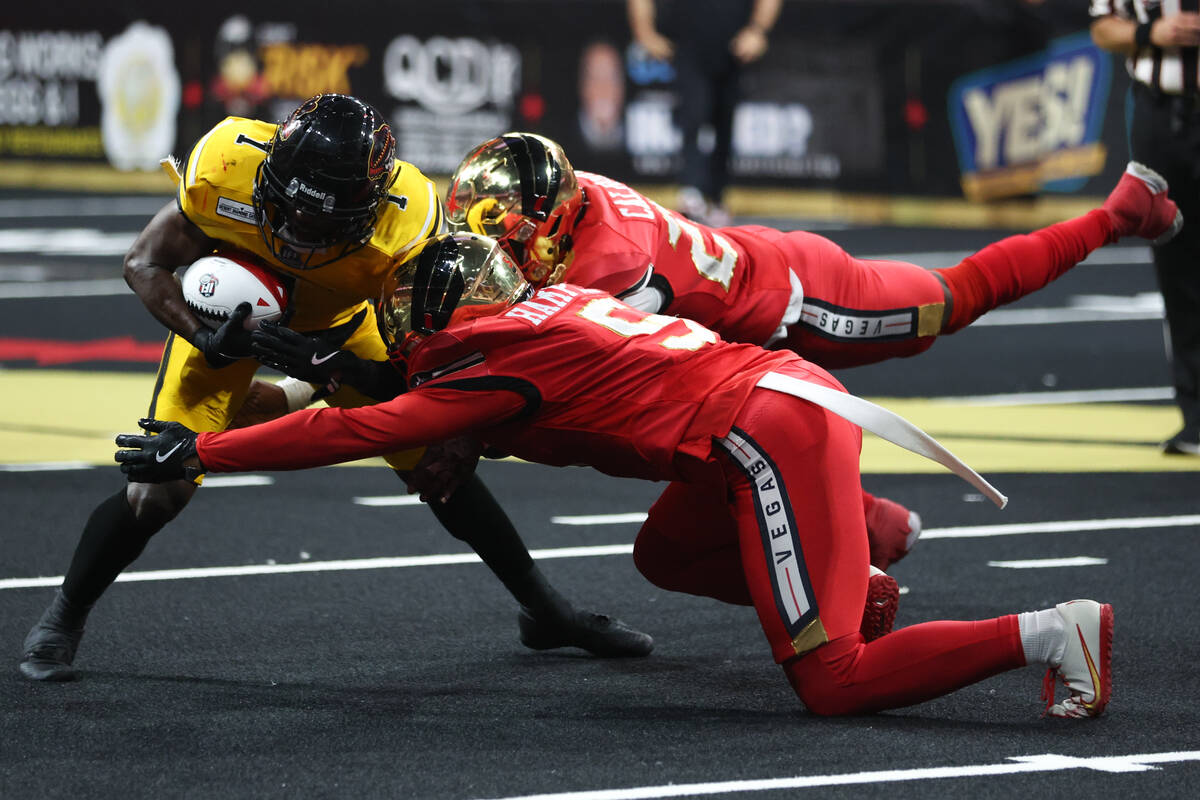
214 286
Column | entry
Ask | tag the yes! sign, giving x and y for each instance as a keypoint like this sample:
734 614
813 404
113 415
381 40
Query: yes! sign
1034 123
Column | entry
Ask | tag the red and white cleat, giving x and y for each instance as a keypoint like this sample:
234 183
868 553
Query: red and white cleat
1139 206
1086 668
892 530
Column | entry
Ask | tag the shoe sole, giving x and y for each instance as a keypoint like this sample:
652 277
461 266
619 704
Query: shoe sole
1104 669
1173 448
54 673
1171 232
600 644
879 613
1099 703
914 531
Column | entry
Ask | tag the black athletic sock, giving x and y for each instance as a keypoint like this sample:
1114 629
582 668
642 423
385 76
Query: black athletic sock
63 614
473 516
111 541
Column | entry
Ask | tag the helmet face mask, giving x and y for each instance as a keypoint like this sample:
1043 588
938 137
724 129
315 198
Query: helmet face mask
445 281
520 189
328 169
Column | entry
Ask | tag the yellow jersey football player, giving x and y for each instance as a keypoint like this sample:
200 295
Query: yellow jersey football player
322 199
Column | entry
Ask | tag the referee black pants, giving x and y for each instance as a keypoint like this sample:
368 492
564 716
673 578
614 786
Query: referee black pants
1164 134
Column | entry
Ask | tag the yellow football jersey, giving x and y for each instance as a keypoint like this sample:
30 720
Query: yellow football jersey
215 192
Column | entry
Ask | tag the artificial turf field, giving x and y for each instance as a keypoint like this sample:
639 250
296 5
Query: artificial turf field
299 634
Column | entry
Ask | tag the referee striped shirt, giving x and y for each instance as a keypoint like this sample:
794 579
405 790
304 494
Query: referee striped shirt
1173 70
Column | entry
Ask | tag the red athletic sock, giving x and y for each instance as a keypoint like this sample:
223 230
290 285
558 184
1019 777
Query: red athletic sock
1018 265
911 665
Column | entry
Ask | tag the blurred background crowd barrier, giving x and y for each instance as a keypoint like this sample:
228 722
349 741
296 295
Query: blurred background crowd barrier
983 99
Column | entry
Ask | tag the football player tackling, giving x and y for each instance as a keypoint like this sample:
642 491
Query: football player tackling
574 376
796 291
322 199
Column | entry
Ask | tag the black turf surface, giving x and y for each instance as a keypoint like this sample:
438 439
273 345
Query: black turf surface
410 682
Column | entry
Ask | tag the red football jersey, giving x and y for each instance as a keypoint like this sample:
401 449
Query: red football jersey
572 376
732 280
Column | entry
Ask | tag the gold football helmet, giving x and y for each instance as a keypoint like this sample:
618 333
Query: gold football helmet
520 189
444 281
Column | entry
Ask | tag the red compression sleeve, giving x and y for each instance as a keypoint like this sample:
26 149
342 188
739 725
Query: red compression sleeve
908 666
1018 265
319 437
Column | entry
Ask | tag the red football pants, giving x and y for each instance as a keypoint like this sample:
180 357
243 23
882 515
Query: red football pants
859 311
786 532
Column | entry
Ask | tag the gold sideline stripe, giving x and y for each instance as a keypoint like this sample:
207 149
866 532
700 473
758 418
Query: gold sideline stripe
63 415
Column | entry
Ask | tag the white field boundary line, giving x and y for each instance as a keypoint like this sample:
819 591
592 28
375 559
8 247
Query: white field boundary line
1050 563
963 532
1015 765
323 566
581 552
1068 526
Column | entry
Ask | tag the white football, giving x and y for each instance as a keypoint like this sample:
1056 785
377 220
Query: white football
214 286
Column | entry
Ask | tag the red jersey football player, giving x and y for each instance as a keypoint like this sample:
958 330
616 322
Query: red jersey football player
574 376
796 291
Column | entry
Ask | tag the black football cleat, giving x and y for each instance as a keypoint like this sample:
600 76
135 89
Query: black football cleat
49 652
600 635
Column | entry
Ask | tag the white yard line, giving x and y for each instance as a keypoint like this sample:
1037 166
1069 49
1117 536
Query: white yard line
591 551
1014 765
322 566
1066 526
1050 563
384 501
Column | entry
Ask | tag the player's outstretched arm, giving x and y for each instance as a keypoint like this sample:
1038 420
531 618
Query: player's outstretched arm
320 437
166 452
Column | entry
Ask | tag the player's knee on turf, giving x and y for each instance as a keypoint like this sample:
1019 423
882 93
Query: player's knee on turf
820 678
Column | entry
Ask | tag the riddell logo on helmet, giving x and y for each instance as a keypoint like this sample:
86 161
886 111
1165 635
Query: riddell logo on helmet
299 186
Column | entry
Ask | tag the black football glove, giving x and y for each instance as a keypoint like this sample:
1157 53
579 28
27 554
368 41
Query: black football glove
228 343
317 360
168 456
443 468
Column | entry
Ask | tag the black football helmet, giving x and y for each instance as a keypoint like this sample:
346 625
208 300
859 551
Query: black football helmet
446 280
328 168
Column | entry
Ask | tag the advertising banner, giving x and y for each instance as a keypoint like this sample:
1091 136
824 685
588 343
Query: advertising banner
859 96
1032 124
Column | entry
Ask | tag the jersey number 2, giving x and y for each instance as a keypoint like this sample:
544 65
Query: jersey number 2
718 268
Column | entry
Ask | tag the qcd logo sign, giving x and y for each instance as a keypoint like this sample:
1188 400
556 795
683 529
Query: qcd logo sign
451 76
1033 123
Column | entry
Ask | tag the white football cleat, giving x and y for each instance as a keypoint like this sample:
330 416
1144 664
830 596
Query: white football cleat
1086 668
